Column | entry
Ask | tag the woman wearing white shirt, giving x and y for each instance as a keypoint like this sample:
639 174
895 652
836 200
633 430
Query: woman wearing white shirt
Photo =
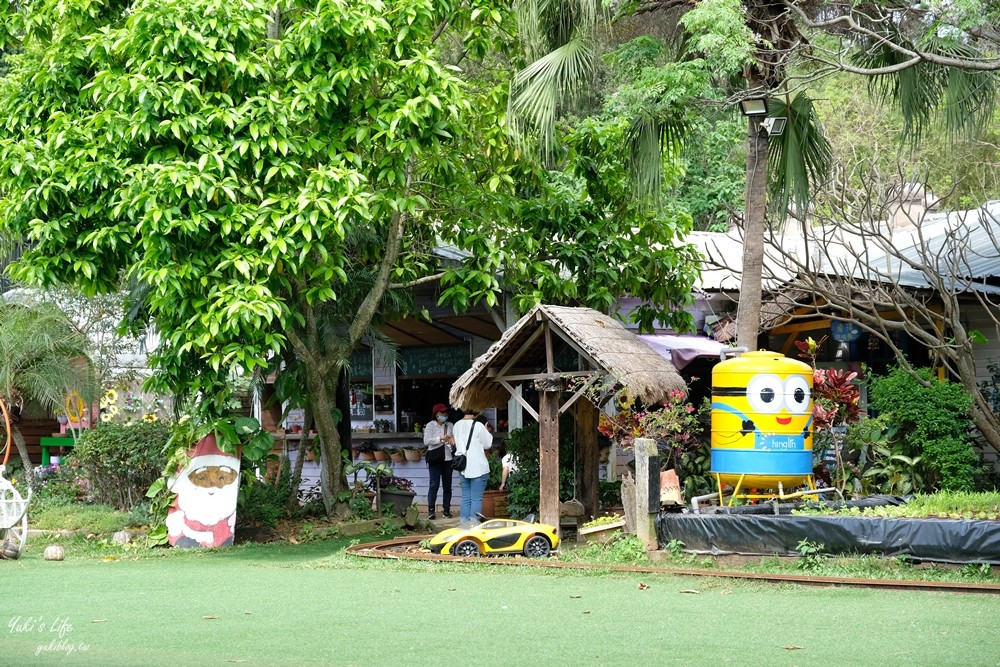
477 468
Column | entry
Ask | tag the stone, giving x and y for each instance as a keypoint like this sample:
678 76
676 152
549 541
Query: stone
122 537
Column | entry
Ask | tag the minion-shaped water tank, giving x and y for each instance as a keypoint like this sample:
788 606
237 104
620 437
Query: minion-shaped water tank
762 422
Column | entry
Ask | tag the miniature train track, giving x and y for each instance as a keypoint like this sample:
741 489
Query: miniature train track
407 548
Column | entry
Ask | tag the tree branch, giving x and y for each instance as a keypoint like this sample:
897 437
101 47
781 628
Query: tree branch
915 56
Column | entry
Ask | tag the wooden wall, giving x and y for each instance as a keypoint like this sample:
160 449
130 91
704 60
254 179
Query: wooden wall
33 430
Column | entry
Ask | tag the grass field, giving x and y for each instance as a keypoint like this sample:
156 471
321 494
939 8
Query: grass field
283 604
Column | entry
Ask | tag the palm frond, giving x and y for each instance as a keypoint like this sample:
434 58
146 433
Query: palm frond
965 98
649 137
549 84
801 157
546 25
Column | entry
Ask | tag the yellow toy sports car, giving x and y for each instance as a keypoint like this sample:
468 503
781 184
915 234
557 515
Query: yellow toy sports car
497 536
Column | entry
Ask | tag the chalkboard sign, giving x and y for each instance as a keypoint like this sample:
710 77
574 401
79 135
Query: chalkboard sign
361 363
441 360
362 402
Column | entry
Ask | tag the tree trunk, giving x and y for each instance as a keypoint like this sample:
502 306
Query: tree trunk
22 449
754 225
331 476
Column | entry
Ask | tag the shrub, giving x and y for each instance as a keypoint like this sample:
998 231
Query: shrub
522 443
933 423
121 461
60 483
262 499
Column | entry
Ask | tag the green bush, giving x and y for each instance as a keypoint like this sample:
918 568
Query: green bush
522 443
932 422
262 499
121 461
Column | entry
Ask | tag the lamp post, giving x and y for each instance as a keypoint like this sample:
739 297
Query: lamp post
760 128
754 200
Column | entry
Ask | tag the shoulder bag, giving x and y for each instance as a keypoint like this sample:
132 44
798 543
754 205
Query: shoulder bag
458 461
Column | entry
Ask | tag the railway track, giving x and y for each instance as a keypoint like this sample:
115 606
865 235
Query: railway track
408 548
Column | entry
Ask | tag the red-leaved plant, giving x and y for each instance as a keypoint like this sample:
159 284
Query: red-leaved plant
836 400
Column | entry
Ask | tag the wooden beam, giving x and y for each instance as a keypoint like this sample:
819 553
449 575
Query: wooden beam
579 350
550 357
548 458
799 327
588 485
579 392
517 355
520 399
543 376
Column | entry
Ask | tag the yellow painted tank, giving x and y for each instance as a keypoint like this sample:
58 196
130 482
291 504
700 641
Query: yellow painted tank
762 421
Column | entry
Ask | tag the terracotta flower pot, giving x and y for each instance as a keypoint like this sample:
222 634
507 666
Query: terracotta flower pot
412 454
397 457
381 455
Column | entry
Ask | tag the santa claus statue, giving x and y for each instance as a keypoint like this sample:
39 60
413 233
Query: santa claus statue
204 512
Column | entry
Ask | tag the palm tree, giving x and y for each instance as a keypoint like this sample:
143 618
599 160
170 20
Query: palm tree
913 58
43 358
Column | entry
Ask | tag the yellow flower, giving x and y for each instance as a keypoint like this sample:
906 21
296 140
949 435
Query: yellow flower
149 417
105 417
110 398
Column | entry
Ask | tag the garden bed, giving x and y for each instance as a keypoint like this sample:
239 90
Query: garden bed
930 539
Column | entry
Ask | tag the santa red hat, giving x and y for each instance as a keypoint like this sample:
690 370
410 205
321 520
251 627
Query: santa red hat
208 447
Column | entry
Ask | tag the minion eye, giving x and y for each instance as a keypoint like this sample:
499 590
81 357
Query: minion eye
764 393
797 395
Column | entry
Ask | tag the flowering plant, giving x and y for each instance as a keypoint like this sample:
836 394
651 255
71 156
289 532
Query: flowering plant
836 398
673 423
836 402
130 407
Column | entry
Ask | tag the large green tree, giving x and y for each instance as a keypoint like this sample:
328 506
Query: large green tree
275 181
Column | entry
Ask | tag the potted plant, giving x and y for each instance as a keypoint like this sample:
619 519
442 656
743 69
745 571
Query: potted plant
603 529
413 453
396 454
366 449
393 491
381 454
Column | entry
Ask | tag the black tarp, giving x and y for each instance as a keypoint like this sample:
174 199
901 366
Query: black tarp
940 540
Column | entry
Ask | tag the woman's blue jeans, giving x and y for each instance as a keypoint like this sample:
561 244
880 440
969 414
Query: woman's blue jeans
472 498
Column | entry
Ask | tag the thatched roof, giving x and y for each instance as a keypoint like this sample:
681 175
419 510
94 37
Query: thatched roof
601 340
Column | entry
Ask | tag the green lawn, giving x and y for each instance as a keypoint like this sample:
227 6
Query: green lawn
311 605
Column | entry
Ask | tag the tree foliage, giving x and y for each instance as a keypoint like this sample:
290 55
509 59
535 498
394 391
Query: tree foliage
272 181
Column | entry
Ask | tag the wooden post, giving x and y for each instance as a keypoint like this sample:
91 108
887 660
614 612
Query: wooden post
645 448
587 450
548 458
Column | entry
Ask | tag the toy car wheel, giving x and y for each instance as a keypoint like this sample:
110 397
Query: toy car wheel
537 546
466 548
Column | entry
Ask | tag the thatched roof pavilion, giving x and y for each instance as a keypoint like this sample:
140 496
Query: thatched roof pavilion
602 341
547 346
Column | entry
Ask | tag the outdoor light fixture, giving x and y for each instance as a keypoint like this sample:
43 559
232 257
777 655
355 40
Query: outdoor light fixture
754 106
775 126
